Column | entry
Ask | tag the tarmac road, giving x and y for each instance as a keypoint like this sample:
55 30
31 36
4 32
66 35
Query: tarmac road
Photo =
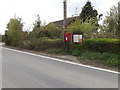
22 70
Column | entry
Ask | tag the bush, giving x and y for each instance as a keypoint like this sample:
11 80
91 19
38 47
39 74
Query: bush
49 31
43 44
98 45
13 36
103 45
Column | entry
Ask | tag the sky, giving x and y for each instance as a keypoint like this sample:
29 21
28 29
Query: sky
49 10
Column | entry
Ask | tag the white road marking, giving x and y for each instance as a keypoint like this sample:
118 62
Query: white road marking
64 61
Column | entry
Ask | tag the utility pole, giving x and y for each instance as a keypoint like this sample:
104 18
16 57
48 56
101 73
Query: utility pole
66 43
64 19
65 14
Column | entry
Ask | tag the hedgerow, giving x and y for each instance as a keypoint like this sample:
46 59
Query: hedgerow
98 45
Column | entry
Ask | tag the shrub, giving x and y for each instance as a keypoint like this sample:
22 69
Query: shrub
103 45
44 44
49 31
98 45
14 32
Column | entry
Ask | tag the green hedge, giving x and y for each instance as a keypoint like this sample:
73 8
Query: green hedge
98 45
43 44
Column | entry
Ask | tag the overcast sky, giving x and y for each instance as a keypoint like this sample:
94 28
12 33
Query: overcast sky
49 10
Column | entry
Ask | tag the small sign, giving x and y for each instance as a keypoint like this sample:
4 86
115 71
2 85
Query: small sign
77 37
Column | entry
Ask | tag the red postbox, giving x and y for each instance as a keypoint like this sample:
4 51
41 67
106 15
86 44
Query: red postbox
67 36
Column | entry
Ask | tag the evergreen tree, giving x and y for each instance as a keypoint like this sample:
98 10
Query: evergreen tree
37 23
88 12
36 29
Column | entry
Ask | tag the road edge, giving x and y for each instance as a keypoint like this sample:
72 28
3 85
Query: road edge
64 61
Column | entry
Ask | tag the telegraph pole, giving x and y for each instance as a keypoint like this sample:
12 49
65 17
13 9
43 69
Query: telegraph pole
66 43
64 19
65 14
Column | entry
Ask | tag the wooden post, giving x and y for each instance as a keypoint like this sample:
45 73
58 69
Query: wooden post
65 24
65 14
64 18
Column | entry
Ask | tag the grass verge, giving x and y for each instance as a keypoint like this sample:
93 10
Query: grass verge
94 58
58 51
108 59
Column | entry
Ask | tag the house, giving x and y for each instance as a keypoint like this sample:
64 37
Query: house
70 20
